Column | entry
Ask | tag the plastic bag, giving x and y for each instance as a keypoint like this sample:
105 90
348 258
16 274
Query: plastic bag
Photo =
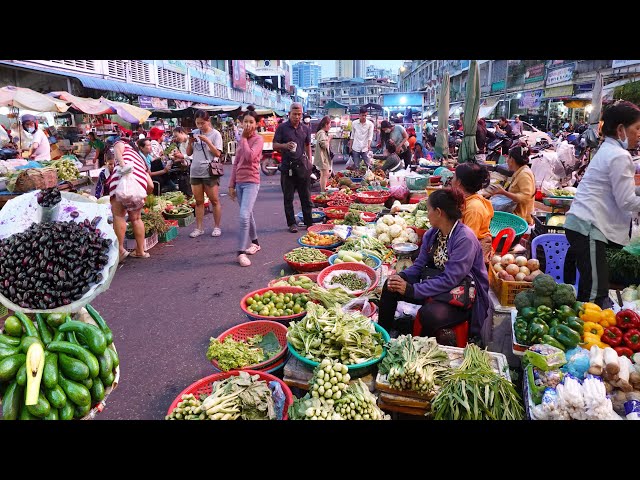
360 304
278 398
545 357
129 192
349 163
399 191
502 203
577 362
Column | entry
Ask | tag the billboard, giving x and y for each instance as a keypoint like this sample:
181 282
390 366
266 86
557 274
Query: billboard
560 75
239 74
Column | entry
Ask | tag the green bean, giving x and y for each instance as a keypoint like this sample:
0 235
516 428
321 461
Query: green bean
350 280
306 255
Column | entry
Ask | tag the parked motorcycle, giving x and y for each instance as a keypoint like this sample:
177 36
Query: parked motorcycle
501 143
271 160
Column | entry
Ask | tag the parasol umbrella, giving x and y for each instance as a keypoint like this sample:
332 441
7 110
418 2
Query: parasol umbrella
468 149
591 134
442 134
28 99
92 106
129 113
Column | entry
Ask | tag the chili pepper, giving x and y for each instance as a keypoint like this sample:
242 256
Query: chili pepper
627 352
575 323
628 319
594 328
632 339
608 316
612 336
565 311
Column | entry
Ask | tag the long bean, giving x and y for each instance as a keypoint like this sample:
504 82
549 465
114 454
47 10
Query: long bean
306 255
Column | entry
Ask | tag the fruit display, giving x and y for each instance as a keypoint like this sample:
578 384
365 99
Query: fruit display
53 263
58 370
277 304
48 197
66 168
511 268
320 239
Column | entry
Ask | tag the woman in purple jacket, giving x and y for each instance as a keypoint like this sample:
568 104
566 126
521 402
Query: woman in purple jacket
450 253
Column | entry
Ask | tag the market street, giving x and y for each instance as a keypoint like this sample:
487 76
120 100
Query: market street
163 310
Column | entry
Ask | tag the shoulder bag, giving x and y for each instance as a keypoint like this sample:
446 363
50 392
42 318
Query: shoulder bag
215 167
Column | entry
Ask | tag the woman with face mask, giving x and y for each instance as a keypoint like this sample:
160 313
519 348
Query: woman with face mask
600 216
39 149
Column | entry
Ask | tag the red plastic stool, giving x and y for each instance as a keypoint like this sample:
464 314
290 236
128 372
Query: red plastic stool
461 330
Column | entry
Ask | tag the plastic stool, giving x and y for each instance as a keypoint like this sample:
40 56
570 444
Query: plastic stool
461 331
555 247
511 235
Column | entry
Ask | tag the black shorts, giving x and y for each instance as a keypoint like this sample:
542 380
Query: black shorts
209 181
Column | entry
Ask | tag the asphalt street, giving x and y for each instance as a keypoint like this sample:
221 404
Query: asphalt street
164 309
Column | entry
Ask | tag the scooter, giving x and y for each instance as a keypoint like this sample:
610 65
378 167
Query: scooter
501 143
271 160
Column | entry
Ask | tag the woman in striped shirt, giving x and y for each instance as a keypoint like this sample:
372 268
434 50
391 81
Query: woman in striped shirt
125 154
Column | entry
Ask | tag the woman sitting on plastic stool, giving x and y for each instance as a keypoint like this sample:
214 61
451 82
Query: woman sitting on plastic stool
450 253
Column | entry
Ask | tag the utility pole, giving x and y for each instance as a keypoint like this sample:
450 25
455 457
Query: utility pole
506 81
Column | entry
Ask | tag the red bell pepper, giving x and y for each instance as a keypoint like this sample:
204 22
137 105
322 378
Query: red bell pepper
627 319
632 339
627 352
612 336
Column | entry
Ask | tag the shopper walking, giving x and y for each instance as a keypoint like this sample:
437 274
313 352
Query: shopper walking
322 156
360 140
293 139
245 184
205 145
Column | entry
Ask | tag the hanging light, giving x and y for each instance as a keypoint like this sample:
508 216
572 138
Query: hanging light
588 108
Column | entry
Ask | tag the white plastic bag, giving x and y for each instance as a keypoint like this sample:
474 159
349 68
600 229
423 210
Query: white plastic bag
349 163
129 192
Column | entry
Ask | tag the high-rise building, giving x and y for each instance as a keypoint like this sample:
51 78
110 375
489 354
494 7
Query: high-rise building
307 74
351 68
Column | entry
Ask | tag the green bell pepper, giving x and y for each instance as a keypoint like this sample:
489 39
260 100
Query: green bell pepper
549 340
520 328
537 328
554 322
575 323
568 337
564 312
528 313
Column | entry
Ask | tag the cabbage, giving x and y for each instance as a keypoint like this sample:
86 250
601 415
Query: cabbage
388 219
395 231
384 238
629 294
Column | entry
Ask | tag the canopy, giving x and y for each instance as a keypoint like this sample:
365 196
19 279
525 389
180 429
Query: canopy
28 99
487 106
468 149
442 134
102 106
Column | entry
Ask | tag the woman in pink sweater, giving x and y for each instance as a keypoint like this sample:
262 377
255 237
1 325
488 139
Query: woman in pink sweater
245 183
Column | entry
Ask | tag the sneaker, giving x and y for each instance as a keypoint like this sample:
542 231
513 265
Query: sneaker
243 260
293 229
196 233
253 249
216 232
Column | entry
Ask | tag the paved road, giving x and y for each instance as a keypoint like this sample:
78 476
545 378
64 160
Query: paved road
164 309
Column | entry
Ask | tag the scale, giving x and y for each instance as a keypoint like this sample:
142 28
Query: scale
406 253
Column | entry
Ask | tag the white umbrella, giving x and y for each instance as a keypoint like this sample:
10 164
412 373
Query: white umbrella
28 99
442 135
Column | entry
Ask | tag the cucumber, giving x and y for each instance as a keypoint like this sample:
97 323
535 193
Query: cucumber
97 391
58 336
9 341
53 414
106 364
78 352
50 373
72 368
56 396
66 412
108 380
88 382
25 414
114 357
21 376
12 401
9 366
40 409
76 392
95 339
81 410
26 342
28 325
43 329
101 323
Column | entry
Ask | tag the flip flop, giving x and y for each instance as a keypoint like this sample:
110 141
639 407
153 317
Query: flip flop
124 255
134 255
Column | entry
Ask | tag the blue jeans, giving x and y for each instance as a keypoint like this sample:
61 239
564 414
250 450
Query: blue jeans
359 155
247 195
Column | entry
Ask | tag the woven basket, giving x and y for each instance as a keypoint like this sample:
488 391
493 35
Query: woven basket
36 179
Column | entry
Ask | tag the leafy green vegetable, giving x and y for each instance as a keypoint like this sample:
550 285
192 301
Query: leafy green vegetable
268 343
240 396
231 354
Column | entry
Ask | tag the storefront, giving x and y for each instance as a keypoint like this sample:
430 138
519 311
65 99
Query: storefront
557 112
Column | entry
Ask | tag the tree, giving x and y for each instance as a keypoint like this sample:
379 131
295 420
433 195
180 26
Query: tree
629 92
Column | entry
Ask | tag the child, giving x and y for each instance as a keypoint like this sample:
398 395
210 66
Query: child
102 178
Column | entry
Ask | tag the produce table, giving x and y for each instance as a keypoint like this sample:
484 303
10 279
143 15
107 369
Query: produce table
6 195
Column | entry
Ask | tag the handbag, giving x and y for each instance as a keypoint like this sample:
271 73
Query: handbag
462 296
215 167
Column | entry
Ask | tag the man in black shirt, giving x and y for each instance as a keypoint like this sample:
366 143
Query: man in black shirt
293 139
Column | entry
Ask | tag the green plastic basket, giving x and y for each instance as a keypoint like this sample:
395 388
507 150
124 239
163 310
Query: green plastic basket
168 235
417 183
502 220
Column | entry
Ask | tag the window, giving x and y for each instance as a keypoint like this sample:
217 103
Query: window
219 90
81 64
117 68
199 85
169 78
219 64
140 71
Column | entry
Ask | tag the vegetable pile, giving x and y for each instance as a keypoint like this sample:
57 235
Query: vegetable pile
351 218
320 240
301 281
349 280
48 197
393 229
277 304
414 363
473 391
53 263
231 354
369 245
357 257
331 333
510 268
56 371
66 168
333 297
305 255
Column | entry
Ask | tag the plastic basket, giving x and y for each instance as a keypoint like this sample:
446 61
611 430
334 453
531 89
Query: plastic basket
149 242
312 276
506 291
333 258
168 235
372 197
171 223
541 227
285 318
186 221
502 220
320 227
319 201
336 213
353 367
258 327
351 266
203 387
417 183
322 247
317 216
310 267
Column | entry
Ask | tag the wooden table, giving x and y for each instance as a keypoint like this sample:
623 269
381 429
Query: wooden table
65 186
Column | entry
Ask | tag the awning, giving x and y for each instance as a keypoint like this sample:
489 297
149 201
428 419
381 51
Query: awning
124 87
25 98
487 106
334 104
102 106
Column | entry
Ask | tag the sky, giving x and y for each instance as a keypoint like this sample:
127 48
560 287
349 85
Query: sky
329 66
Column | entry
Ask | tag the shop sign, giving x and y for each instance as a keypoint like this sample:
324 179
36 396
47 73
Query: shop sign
497 86
173 65
530 100
159 103
534 74
584 87
182 104
555 63
239 74
560 75
562 91
624 63
144 102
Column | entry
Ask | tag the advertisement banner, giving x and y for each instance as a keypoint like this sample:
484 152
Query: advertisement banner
562 91
534 74
182 104
530 100
239 75
560 75
144 102
159 102
497 86
624 63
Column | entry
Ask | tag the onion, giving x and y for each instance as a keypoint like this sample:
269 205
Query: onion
496 259
521 261
498 268
520 277
528 278
512 269
507 259
502 274
509 278
533 264
535 273
525 270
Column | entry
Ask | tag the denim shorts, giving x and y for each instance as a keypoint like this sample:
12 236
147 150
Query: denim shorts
209 181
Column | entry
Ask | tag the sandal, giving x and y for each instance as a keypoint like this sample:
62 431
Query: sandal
124 255
135 255
243 260
196 233
216 232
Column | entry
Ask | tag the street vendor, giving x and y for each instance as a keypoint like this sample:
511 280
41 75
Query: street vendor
40 148
392 162
449 277
98 145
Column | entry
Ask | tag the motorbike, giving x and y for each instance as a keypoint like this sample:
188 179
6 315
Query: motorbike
501 143
271 160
